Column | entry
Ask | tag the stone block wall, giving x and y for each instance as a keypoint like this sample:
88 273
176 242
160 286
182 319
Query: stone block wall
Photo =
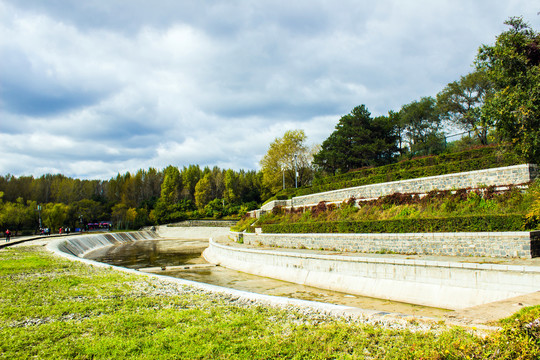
203 223
511 175
495 244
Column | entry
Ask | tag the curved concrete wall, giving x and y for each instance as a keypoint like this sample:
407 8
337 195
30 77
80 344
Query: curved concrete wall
448 285
82 244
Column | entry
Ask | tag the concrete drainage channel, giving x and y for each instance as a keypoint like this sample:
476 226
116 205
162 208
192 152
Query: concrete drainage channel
276 263
83 244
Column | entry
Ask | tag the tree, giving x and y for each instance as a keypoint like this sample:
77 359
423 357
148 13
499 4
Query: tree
17 216
119 216
460 102
87 211
284 155
203 191
171 186
54 215
190 177
358 141
231 183
421 124
512 64
167 204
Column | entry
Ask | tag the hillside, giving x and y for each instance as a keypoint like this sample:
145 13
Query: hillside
507 206
479 158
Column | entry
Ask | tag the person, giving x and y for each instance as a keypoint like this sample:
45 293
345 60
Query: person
8 235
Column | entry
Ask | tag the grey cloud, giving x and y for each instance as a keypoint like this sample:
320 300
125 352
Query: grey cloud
28 90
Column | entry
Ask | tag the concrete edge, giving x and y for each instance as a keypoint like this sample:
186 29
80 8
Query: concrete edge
17 241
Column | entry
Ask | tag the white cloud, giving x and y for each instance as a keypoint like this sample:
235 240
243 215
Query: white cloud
90 89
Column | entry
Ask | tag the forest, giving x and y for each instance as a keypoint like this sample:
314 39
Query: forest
497 103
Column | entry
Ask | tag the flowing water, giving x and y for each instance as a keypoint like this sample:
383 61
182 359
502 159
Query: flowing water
145 254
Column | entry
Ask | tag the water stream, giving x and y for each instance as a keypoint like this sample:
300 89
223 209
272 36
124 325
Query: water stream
166 253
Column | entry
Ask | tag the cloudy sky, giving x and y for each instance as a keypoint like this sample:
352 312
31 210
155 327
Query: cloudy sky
96 87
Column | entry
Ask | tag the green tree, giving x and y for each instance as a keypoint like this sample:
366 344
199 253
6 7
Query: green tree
87 210
420 122
358 141
54 215
460 102
231 183
170 196
512 64
250 186
203 191
171 186
119 216
284 155
18 215
190 177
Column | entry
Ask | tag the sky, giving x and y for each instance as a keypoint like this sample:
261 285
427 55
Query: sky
94 88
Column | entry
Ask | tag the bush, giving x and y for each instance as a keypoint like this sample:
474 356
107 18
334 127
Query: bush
451 224
533 213
244 224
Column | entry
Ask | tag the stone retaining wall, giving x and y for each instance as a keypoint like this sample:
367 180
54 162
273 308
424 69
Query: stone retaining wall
494 244
511 175
204 223
518 174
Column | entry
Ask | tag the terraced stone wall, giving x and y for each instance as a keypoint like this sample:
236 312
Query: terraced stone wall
511 175
496 244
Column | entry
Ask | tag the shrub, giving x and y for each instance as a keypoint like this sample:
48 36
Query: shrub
452 224
533 213
244 224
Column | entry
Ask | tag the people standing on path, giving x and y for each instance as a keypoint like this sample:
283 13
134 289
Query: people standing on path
8 235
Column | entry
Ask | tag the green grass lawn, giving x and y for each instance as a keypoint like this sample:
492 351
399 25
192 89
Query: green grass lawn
54 308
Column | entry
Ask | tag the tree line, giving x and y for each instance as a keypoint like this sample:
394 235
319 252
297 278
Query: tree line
128 200
498 102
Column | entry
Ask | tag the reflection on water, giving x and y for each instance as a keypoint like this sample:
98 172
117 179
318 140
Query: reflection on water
154 253
151 253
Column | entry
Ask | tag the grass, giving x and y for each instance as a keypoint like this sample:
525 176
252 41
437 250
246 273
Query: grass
57 309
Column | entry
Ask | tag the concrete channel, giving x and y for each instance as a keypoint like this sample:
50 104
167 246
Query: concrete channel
335 282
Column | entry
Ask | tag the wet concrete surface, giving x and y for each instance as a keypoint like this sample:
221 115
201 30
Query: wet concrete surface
175 252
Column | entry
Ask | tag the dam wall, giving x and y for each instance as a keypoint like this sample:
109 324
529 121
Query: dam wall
82 244
520 244
451 285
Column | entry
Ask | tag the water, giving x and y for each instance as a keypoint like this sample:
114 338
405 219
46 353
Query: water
166 253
